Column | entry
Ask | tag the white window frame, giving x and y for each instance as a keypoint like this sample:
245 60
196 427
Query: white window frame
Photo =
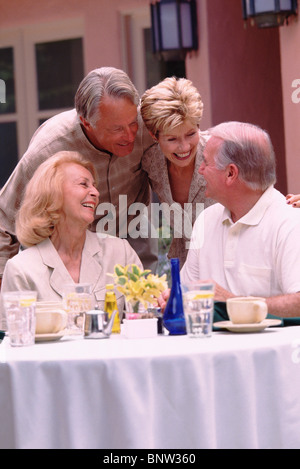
133 23
23 41
13 39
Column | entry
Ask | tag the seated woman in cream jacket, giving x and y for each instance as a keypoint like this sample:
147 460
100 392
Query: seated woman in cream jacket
59 205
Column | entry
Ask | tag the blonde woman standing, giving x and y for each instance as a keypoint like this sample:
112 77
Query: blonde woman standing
172 111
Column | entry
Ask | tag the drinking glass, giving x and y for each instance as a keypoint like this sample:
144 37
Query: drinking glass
19 307
198 303
77 300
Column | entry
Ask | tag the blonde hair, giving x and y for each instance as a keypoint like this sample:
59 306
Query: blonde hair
169 103
40 210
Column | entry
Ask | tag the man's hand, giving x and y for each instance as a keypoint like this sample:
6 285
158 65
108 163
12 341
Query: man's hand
163 299
221 294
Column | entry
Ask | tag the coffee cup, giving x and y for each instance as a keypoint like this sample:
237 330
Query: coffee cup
247 310
50 318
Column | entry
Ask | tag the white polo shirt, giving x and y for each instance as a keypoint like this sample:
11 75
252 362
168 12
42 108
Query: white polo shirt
258 255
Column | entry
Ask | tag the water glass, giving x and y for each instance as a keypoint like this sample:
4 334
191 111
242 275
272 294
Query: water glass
198 303
77 300
19 307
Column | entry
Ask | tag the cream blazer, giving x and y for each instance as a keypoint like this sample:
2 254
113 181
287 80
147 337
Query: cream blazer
40 268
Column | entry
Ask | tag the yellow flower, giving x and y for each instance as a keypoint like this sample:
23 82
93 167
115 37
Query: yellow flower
138 285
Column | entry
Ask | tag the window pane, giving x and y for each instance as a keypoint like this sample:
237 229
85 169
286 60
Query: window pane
59 72
8 150
157 70
7 75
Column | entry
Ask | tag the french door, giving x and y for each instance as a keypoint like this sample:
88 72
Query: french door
40 69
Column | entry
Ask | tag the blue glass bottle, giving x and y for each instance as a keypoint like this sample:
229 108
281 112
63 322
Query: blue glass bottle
173 318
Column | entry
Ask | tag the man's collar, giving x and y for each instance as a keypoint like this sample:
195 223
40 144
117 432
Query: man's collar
256 213
91 143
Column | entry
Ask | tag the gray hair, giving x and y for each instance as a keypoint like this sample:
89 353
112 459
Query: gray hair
105 81
250 149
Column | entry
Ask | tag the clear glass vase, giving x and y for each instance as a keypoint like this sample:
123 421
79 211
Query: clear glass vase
135 309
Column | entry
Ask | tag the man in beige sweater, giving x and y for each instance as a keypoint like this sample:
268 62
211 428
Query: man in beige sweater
106 128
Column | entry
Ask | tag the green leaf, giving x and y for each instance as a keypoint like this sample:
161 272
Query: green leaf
133 277
146 272
119 271
135 270
122 280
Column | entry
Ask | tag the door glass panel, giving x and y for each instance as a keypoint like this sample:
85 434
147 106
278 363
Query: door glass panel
8 150
59 72
157 70
7 75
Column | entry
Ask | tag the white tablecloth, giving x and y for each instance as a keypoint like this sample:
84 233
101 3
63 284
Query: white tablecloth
229 391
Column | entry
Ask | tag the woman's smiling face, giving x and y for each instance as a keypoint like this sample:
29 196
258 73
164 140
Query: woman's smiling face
179 145
80 196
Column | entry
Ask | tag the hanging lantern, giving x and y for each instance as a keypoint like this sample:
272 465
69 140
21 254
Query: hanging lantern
174 28
269 13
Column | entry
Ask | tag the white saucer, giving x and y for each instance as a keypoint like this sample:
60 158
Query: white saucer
48 337
256 327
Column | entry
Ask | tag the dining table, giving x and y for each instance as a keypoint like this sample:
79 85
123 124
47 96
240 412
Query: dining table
233 390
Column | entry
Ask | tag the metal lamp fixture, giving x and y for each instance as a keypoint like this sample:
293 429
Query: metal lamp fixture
174 28
269 13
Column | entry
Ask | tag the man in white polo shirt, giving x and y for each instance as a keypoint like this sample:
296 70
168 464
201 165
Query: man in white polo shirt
249 242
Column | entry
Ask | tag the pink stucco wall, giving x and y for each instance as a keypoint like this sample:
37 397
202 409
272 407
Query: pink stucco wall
197 68
101 20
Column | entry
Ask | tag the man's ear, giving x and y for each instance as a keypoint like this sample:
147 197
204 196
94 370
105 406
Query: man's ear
85 123
232 173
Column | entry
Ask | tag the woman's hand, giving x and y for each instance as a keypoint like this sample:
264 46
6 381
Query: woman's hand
293 200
